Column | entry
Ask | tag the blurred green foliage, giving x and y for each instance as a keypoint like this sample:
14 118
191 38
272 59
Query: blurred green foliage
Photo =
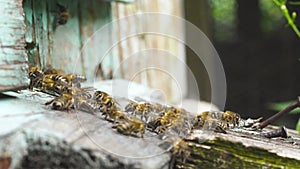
271 18
224 18
282 105
298 125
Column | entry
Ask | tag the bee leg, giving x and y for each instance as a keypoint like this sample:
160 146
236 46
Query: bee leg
105 115
30 85
142 133
220 129
172 162
50 102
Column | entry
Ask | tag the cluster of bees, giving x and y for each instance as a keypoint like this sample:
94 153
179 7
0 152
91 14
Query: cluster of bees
135 118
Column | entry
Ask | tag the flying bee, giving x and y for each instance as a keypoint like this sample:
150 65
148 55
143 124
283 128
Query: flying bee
63 102
35 75
130 126
62 16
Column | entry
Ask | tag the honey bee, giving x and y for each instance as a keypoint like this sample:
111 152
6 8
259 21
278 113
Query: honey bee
68 79
142 109
63 102
82 100
220 121
117 115
231 118
52 86
130 126
51 70
35 75
160 124
62 16
107 104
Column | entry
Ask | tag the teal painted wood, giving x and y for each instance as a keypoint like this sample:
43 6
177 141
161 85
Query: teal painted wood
67 41
62 47
95 38
13 60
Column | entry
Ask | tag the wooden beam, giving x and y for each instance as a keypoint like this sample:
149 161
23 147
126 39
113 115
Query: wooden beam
13 60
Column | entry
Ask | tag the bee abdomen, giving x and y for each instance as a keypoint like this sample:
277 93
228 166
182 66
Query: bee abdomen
124 128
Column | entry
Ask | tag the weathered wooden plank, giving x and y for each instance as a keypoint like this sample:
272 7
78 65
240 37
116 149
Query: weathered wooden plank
81 140
75 139
159 59
94 35
13 60
240 150
66 40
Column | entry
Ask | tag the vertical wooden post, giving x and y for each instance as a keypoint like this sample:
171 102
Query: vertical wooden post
13 60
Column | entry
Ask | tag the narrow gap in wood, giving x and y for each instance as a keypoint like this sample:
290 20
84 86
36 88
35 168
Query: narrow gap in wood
49 31
80 26
37 61
120 50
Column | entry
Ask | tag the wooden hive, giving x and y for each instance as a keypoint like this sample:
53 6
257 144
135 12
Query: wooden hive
31 129
103 38
13 59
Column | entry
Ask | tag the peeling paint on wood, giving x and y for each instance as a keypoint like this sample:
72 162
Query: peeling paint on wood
13 60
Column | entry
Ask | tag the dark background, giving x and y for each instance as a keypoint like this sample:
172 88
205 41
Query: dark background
259 51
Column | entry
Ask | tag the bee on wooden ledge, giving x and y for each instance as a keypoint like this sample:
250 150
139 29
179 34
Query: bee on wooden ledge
52 81
217 120
131 126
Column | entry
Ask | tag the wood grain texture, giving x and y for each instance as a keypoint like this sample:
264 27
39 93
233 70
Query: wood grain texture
93 36
158 58
61 45
13 60
245 149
